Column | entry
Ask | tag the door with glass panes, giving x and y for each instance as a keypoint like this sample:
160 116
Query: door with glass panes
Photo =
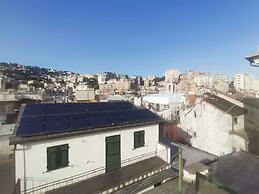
113 153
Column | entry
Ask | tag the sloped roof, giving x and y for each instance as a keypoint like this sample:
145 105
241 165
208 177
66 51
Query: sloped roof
47 119
237 171
251 101
225 106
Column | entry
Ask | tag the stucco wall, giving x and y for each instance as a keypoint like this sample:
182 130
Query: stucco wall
211 129
86 152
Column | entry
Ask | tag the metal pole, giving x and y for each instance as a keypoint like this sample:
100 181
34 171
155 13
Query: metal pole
180 170
24 170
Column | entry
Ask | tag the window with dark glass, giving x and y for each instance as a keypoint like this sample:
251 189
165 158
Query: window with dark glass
235 120
57 157
139 139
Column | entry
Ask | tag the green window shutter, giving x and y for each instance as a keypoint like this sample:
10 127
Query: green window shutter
135 140
142 138
139 139
57 157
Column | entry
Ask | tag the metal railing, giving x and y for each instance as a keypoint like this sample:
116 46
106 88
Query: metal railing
140 177
86 175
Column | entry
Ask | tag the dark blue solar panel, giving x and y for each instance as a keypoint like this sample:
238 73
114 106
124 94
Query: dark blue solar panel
31 126
79 121
57 123
97 119
55 109
102 106
34 109
75 107
115 118
79 116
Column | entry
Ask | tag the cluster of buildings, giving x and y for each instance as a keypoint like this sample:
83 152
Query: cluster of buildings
111 133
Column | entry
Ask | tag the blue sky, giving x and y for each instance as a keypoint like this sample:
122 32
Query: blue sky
137 37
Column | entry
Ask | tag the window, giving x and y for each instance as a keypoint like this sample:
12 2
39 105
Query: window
57 157
139 139
235 120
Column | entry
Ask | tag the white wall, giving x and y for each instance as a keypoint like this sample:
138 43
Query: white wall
213 129
6 131
86 152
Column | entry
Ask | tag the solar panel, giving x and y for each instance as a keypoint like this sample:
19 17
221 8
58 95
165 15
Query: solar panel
56 123
79 116
97 119
115 118
34 109
58 108
31 126
79 121
75 108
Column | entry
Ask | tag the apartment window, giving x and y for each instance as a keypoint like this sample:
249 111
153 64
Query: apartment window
139 139
57 157
235 120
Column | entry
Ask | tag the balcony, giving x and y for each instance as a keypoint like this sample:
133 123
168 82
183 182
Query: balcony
136 174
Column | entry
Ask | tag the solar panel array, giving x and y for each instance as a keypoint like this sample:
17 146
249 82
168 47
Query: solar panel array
45 119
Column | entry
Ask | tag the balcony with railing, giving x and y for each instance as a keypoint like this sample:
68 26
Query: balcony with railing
152 166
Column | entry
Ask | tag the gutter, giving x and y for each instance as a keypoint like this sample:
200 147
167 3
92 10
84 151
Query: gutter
21 140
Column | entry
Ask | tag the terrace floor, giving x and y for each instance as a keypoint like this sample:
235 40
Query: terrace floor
103 182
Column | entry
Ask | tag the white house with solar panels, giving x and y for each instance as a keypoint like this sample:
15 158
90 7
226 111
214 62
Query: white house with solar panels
88 148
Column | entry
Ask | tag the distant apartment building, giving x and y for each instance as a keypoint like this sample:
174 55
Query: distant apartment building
223 78
242 82
117 86
172 78
255 85
103 77
203 80
166 105
2 82
85 95
172 75
222 86
104 147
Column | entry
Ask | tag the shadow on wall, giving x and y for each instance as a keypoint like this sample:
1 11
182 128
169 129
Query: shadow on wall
170 132
252 123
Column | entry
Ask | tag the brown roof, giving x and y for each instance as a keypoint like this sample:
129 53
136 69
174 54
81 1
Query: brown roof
225 105
237 171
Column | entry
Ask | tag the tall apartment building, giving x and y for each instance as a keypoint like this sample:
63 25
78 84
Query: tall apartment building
243 81
172 75
171 79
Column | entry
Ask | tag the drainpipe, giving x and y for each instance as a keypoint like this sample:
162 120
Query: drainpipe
180 170
24 171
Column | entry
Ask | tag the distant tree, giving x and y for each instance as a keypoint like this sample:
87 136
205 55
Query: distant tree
91 83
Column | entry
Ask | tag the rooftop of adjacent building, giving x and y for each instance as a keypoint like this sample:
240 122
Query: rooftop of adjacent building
224 105
237 171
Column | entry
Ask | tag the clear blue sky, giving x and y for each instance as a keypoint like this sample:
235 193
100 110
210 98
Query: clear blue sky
137 37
